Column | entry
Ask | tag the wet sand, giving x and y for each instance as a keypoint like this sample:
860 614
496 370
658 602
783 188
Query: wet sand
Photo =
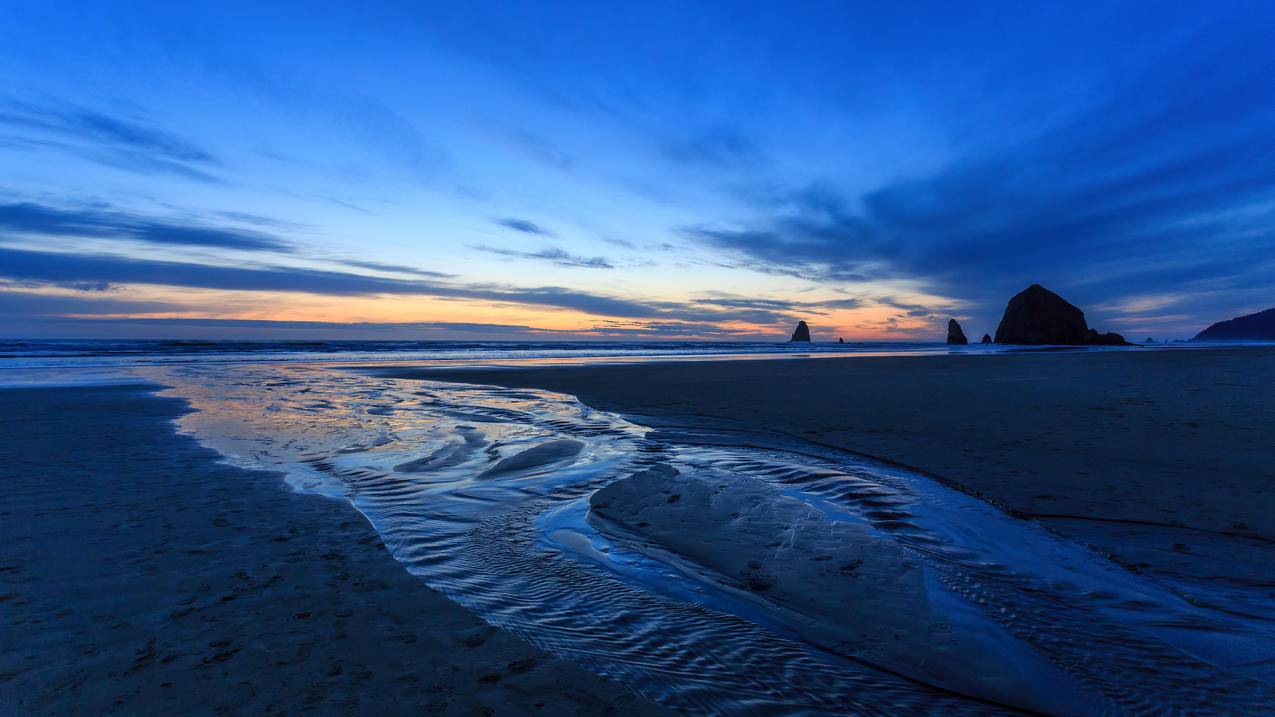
1161 460
139 576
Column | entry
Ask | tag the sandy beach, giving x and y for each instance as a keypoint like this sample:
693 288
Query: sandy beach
1158 459
582 359
140 576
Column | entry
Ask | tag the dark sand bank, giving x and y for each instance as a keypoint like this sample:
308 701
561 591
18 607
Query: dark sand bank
1163 459
139 576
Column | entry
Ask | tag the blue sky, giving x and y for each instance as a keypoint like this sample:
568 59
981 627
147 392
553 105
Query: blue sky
645 170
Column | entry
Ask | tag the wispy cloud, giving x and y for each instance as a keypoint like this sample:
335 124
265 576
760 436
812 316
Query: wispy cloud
133 143
812 233
720 146
668 329
33 221
553 256
337 329
41 316
22 265
341 203
109 223
397 269
259 220
82 123
523 225
84 287
785 305
30 304
1165 183
540 149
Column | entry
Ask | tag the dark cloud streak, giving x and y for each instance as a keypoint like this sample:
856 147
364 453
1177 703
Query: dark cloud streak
131 143
99 223
1155 188
396 269
523 225
62 268
14 304
552 255
83 123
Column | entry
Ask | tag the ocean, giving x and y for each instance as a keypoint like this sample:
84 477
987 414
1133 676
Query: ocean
19 354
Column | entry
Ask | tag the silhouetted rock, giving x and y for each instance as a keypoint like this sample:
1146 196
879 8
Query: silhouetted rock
1107 339
1250 327
1037 315
802 333
954 333
840 340
986 339
1148 340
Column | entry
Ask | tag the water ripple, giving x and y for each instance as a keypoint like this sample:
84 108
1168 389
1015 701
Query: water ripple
482 493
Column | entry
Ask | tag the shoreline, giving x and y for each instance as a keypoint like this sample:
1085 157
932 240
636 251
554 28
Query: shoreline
147 574
173 582
1156 459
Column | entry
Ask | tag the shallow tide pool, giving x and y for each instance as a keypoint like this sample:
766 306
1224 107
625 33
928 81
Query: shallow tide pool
483 493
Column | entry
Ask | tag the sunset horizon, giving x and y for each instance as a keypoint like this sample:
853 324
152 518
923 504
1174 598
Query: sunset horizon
721 358
709 173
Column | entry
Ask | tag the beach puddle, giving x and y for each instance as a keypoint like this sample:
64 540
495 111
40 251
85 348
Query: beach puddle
723 572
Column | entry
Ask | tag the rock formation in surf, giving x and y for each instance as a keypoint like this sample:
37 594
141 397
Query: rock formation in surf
1250 327
1107 339
802 332
954 333
987 339
840 340
1037 316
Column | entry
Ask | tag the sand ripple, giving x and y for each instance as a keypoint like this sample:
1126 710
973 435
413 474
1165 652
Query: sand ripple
484 494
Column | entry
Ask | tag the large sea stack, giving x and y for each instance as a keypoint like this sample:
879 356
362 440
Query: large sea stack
802 332
1037 316
954 334
1251 327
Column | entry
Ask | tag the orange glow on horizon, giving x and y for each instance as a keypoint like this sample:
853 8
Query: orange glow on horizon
873 321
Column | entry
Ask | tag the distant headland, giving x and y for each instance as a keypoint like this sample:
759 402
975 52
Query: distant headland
1250 327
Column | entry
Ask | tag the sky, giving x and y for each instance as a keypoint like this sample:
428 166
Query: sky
708 171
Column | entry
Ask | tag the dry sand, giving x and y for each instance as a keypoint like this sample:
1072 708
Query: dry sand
1164 460
139 576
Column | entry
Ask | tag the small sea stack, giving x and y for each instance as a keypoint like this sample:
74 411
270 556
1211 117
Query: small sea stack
987 339
955 337
801 333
